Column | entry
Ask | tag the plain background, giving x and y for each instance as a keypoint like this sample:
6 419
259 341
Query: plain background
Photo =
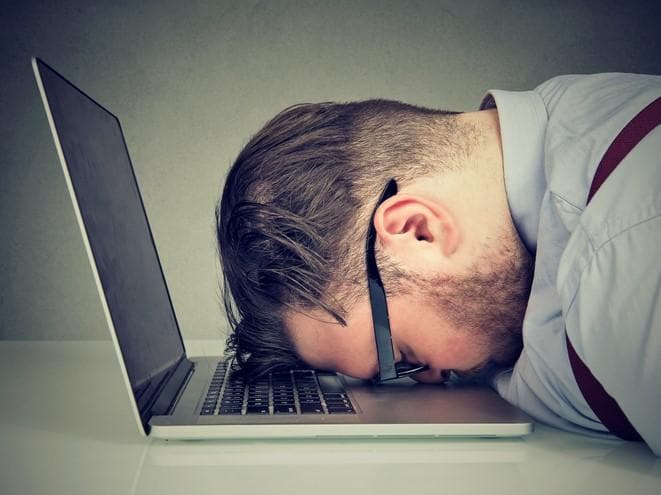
191 83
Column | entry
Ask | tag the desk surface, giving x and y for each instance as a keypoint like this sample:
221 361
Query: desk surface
66 428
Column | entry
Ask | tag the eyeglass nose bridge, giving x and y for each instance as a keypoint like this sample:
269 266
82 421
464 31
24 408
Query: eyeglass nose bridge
402 369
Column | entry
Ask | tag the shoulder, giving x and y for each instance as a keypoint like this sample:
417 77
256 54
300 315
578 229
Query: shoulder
609 281
579 106
576 93
585 114
621 219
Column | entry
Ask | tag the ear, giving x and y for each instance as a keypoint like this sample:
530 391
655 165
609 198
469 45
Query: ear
417 230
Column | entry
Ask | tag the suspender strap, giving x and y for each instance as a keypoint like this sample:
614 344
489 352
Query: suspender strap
602 404
634 132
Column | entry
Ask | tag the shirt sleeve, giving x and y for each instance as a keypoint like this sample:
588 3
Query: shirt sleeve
614 322
609 281
525 388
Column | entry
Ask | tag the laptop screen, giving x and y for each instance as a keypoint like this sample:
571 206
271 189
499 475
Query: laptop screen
119 235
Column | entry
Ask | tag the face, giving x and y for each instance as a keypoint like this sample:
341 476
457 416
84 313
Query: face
351 349
460 324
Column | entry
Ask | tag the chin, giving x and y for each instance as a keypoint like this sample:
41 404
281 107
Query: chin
478 375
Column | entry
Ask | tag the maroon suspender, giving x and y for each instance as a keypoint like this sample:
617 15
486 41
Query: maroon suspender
602 404
646 120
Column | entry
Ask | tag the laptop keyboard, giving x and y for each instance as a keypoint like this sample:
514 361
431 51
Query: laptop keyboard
288 392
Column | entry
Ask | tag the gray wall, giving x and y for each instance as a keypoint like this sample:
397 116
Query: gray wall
191 83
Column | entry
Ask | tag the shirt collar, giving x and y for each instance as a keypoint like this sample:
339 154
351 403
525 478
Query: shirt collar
523 120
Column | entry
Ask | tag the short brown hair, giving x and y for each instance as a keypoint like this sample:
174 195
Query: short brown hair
292 219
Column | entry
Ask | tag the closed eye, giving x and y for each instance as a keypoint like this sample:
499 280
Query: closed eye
406 359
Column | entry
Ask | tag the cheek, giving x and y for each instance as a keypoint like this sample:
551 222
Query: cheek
442 348
461 353
419 334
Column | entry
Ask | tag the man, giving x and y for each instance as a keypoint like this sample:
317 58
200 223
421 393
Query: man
483 201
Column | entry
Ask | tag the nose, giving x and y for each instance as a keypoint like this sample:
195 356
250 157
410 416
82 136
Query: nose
431 375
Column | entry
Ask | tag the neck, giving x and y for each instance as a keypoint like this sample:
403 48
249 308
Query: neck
484 174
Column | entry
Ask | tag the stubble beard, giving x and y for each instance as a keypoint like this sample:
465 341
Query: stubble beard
487 305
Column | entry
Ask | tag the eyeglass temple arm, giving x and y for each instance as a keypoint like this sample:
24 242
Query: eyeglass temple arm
382 332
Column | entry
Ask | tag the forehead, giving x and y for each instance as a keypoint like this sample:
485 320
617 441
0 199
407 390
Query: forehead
324 343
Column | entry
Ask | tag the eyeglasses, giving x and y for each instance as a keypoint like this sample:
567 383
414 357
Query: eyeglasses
388 370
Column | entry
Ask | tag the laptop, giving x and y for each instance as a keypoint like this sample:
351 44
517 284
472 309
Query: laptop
176 396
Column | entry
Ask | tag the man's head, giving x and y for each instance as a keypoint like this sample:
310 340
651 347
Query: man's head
293 219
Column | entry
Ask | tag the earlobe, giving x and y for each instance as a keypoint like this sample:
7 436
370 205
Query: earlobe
410 225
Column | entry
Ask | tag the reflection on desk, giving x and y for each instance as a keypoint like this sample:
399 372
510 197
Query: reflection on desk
67 428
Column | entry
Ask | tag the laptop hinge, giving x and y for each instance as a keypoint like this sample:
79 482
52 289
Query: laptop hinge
170 389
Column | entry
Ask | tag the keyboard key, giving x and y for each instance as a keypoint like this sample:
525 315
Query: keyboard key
257 409
277 393
284 409
330 383
232 398
331 396
311 409
309 398
230 410
341 411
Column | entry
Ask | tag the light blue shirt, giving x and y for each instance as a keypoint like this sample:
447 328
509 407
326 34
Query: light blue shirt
597 268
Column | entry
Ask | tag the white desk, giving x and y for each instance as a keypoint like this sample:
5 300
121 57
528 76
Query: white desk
66 428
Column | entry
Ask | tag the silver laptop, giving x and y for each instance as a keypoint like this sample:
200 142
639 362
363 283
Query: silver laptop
177 396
